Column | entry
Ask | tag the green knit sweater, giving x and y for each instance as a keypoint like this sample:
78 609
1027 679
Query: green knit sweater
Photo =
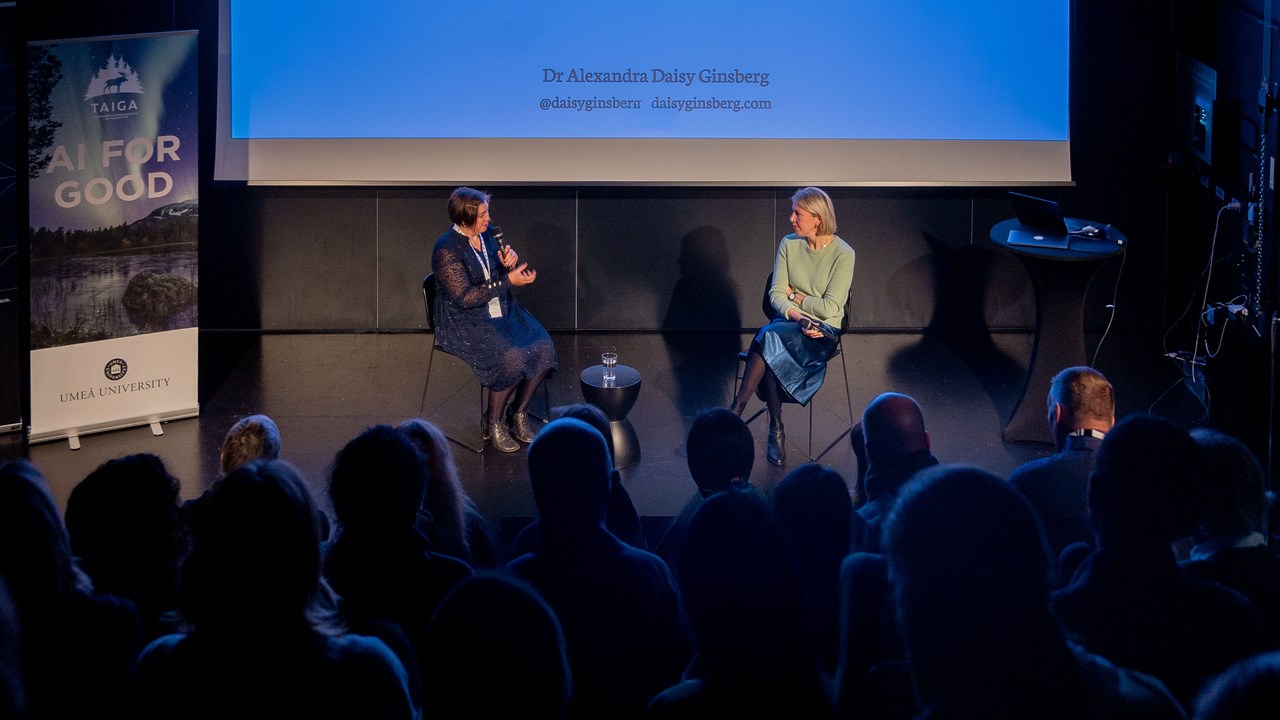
822 276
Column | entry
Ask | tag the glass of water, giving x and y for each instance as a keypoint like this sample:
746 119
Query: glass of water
610 362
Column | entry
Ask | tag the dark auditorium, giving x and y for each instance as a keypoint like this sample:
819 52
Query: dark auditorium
875 360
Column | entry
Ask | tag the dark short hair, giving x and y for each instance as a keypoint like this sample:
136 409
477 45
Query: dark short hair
1234 500
126 529
255 554
591 415
1145 482
569 471
378 479
464 205
497 630
719 449
951 516
970 571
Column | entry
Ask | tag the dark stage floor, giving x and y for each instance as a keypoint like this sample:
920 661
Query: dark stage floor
323 389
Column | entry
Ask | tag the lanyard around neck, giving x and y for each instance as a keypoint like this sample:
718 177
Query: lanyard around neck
482 255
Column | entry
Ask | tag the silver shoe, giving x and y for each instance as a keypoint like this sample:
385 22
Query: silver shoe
500 438
521 428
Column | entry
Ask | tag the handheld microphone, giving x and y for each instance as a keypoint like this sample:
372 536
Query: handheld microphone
496 232
500 241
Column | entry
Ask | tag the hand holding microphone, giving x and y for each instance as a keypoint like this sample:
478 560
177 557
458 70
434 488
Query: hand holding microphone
506 255
810 328
518 274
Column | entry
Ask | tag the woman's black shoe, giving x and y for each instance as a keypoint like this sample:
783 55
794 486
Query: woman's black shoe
777 452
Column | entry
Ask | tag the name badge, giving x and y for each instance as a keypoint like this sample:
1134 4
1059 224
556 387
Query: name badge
495 308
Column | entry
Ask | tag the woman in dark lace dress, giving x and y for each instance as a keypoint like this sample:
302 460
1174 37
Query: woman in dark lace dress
479 320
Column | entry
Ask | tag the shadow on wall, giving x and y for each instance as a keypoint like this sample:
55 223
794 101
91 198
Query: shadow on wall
703 323
961 278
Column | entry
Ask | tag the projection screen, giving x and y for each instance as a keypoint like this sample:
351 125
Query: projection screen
832 92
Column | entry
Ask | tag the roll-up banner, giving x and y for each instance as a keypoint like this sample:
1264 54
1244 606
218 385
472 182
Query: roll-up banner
114 210
10 268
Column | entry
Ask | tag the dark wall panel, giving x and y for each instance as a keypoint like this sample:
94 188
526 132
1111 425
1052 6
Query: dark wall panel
667 258
409 221
319 260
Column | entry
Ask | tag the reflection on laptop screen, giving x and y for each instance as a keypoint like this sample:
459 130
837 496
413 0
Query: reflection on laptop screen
1038 214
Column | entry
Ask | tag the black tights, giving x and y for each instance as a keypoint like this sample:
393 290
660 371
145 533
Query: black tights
526 388
759 374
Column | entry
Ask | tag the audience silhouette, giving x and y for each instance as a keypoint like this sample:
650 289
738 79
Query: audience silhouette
1129 602
871 676
448 517
897 446
13 688
1230 546
933 600
620 517
1082 408
720 453
254 437
815 515
747 614
970 573
496 651
259 647
388 579
1248 690
127 534
77 648
618 605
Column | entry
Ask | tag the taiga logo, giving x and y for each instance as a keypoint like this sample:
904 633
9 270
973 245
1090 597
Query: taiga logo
116 369
109 86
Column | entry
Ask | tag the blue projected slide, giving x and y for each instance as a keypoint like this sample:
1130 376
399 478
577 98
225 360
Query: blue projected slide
985 70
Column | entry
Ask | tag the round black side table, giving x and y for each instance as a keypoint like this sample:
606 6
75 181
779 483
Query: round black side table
616 400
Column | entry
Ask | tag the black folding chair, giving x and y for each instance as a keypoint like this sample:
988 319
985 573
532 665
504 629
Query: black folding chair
429 302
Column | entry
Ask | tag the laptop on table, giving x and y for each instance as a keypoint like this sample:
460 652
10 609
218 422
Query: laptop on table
1042 223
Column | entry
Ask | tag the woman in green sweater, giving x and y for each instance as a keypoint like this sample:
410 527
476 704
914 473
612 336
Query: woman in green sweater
811 278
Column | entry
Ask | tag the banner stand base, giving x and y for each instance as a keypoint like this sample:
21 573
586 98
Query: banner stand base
153 421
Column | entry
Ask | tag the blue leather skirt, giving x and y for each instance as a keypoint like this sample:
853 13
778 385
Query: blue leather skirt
798 361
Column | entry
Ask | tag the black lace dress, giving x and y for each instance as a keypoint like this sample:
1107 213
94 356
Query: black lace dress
501 350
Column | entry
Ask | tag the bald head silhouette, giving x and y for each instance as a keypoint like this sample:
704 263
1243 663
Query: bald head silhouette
893 424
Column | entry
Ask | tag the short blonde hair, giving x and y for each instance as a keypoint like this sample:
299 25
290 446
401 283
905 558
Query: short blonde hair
1085 393
814 201
252 438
